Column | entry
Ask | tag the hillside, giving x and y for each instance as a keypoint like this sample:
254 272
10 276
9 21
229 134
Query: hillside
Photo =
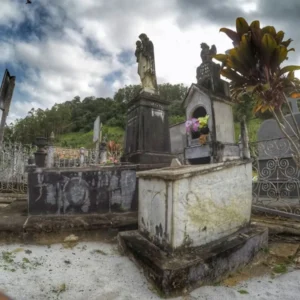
85 139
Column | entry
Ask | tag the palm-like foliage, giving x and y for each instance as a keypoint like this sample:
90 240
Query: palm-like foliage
254 64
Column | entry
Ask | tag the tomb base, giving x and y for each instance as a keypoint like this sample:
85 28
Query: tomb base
178 272
147 138
144 158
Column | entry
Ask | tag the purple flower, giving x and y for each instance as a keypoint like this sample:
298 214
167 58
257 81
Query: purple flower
195 125
192 125
188 125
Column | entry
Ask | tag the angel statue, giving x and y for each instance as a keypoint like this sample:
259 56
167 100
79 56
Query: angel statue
146 64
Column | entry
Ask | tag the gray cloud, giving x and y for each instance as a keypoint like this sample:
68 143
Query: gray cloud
283 15
216 12
73 47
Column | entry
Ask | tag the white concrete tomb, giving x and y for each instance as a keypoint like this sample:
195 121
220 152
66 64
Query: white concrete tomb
194 205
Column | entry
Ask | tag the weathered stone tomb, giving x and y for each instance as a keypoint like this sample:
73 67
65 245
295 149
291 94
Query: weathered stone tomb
194 220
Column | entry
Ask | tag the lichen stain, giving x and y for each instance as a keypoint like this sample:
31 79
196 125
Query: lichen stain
205 213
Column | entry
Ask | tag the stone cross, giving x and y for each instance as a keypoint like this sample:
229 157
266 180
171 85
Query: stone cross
294 105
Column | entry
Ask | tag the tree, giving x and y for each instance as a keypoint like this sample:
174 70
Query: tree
79 115
254 66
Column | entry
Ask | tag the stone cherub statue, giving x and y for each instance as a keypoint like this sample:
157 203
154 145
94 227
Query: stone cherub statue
146 64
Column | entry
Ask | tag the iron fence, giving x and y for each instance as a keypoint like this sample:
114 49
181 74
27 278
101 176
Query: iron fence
276 178
74 158
13 160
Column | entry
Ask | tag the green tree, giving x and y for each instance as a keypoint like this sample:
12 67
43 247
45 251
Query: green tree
254 66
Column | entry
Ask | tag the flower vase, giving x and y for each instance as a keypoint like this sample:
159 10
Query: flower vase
203 135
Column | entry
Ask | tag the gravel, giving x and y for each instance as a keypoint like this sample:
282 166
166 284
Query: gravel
96 271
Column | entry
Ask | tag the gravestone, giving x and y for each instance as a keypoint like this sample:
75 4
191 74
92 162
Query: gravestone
275 164
147 139
210 96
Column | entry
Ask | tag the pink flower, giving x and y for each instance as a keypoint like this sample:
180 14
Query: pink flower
195 125
188 125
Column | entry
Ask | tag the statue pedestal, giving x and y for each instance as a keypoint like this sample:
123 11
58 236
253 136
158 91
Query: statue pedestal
147 138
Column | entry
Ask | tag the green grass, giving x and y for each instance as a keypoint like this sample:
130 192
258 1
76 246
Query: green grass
243 292
280 268
253 128
85 139
76 140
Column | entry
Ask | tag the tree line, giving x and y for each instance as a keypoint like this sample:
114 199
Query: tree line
78 115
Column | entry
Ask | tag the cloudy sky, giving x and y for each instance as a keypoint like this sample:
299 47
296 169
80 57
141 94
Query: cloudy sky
59 49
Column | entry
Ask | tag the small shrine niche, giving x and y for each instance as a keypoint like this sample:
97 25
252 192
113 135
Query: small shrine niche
199 112
209 101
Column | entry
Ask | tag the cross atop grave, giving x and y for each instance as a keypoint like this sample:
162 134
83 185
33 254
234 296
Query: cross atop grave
294 104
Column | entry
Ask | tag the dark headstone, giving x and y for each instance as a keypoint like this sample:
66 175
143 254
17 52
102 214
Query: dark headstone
147 138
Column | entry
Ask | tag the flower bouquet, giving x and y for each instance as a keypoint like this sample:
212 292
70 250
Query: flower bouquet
199 125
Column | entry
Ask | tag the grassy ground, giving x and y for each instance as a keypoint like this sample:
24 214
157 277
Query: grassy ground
85 139
253 128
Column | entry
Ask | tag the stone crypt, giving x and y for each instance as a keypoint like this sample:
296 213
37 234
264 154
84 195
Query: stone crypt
194 220
210 96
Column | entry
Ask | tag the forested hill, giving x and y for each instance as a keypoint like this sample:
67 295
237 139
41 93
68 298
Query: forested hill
65 119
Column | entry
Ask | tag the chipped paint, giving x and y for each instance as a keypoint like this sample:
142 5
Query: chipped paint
201 204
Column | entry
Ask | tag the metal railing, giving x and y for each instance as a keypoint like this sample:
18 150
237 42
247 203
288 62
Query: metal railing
276 178
13 160
59 157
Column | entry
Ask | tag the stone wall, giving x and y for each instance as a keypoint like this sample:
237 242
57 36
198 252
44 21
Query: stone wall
82 190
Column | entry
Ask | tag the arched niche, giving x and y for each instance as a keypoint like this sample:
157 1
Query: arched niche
199 112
